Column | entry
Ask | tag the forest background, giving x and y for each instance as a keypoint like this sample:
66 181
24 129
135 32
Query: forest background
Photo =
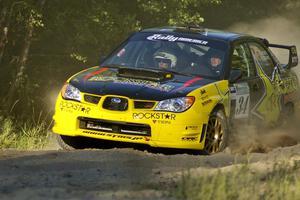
43 42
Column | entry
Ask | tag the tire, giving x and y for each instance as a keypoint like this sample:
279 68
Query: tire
217 133
69 143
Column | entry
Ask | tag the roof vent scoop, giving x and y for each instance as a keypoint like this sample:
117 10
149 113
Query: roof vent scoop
145 74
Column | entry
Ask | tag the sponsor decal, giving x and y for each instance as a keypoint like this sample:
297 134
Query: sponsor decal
191 128
205 103
204 97
294 50
136 82
290 84
203 91
161 122
134 138
116 100
145 83
232 90
172 38
69 106
154 116
294 59
189 139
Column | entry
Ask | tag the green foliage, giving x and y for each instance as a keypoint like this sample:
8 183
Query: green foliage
70 35
243 182
28 135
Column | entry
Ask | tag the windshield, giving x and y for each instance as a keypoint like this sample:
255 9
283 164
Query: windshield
170 52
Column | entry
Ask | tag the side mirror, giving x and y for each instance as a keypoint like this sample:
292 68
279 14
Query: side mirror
235 75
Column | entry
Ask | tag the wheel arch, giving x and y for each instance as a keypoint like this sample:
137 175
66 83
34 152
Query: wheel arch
219 106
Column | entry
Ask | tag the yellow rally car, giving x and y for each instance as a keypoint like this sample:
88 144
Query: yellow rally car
177 87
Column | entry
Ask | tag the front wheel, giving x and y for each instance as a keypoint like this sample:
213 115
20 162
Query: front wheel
70 143
217 133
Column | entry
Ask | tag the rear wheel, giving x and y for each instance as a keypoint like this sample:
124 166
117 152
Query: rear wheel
217 133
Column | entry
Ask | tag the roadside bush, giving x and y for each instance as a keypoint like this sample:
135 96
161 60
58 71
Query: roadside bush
23 135
243 182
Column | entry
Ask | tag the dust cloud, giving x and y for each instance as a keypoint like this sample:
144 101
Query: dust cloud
278 30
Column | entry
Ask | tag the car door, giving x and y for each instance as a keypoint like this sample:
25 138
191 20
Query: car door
249 89
268 107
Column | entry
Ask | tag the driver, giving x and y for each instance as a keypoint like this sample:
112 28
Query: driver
165 60
214 60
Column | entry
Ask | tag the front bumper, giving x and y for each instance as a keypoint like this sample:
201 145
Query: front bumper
145 126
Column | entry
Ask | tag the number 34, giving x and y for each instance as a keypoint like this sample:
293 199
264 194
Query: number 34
242 106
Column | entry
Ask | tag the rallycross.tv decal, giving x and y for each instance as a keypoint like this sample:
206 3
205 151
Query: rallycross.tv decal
172 38
69 106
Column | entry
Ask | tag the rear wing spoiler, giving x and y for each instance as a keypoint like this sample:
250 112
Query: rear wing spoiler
293 57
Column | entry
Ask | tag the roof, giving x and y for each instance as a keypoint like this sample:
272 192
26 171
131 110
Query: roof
210 33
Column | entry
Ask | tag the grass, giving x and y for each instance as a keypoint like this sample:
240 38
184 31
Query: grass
282 181
23 135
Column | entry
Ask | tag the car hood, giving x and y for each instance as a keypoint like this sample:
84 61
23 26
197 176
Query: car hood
136 84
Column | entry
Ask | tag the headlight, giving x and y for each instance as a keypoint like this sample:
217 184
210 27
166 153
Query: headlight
70 92
175 105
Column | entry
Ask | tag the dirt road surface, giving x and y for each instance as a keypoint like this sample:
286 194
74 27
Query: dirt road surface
122 173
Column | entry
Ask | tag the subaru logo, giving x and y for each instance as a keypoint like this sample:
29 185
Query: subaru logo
116 100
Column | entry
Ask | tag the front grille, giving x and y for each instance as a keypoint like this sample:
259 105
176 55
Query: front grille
115 103
143 104
114 127
91 99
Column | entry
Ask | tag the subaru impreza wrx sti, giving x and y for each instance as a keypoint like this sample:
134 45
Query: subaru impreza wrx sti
177 87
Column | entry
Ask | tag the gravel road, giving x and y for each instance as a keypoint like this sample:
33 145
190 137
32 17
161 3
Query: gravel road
118 173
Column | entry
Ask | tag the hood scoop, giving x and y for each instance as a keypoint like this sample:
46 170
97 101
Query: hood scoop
145 74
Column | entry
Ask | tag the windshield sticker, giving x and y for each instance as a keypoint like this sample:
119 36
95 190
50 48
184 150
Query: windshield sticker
172 38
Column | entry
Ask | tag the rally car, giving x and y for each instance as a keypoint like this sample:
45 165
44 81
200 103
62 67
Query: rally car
177 87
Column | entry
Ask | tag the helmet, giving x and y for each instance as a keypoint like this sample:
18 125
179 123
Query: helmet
214 58
165 60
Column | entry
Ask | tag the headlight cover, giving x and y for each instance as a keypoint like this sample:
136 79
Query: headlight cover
175 105
70 92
